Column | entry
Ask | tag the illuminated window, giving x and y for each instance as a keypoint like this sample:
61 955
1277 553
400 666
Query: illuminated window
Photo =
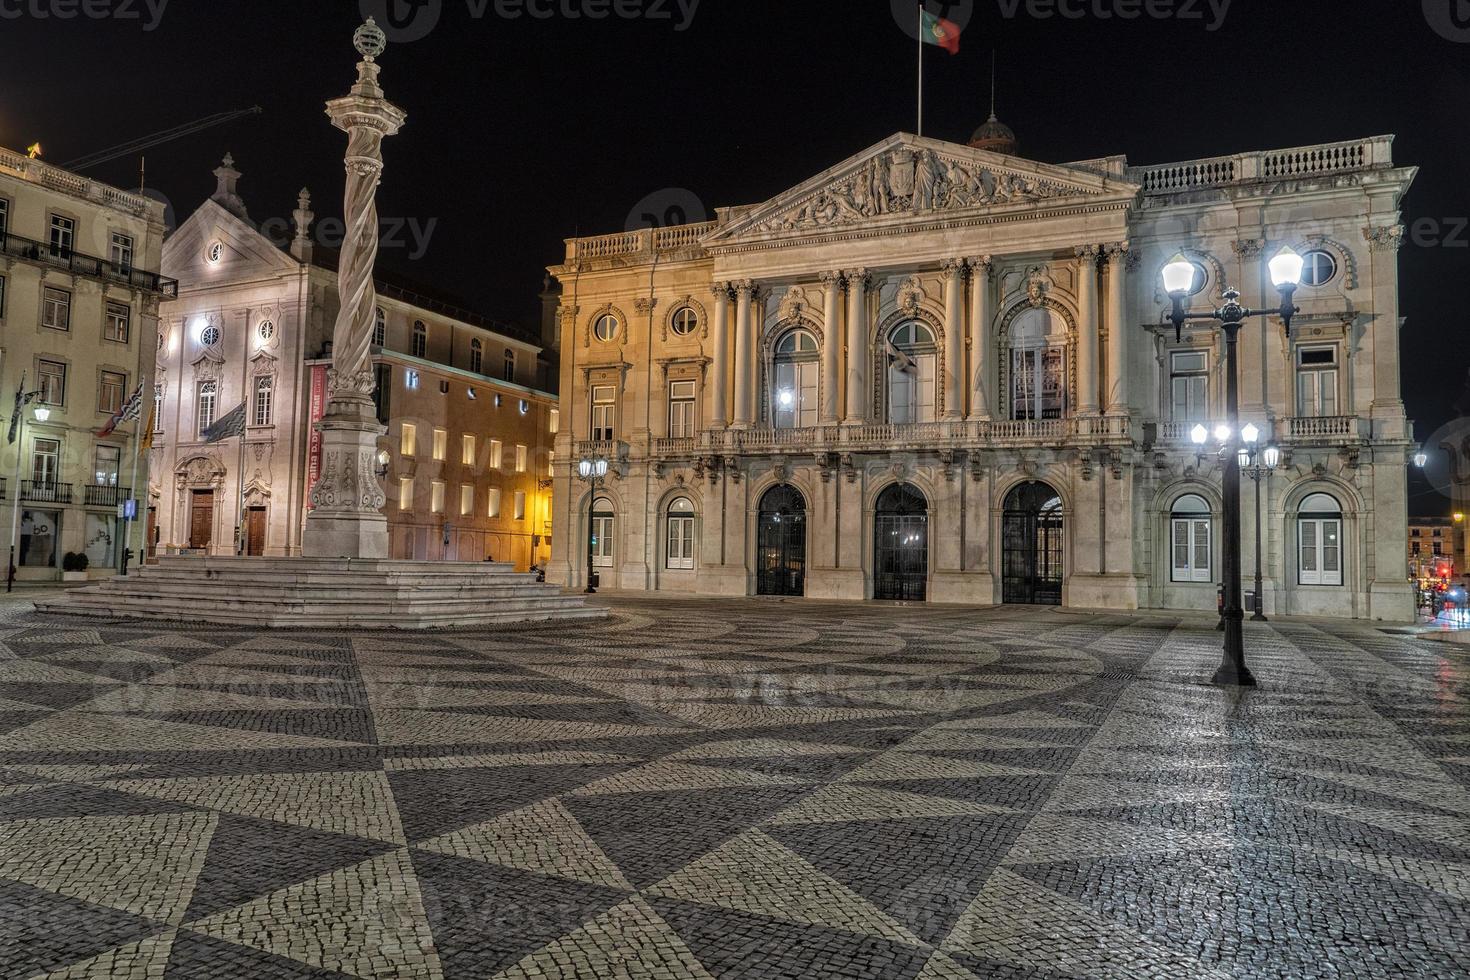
117 322
680 552
467 450
520 505
265 393
380 327
409 439
436 497
495 454
111 390
520 459
208 404
441 445
494 508
405 493
466 500
554 425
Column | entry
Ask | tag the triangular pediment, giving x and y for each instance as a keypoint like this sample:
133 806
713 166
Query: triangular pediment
909 179
244 252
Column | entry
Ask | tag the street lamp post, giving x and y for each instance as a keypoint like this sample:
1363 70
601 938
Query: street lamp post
1179 276
42 414
1257 463
592 470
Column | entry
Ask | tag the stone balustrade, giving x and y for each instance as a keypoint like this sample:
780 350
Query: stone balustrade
1245 168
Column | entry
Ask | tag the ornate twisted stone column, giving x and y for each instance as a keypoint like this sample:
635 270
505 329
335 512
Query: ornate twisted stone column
982 343
831 347
954 339
719 398
744 356
1117 329
857 346
346 520
1087 329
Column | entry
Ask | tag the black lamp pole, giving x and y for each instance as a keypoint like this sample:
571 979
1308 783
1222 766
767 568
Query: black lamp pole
592 470
1232 670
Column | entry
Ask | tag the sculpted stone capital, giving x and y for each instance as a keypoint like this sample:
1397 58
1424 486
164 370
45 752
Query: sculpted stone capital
1086 252
981 266
1248 248
953 268
1384 238
744 288
1116 251
720 290
830 279
858 278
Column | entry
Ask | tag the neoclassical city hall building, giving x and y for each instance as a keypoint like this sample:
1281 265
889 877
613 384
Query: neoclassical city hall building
942 372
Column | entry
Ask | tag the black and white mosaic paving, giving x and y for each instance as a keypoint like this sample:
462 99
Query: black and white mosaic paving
732 789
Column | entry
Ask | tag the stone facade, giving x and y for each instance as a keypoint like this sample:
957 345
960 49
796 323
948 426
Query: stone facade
79 298
253 324
986 333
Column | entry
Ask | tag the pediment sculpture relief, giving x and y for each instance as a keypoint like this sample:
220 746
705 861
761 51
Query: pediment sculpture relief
905 181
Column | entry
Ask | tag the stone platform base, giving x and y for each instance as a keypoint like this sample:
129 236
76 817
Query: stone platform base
286 593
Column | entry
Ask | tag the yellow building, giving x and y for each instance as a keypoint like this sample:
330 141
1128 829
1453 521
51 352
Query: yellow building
79 298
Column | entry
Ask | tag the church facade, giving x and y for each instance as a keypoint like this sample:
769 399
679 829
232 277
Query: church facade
941 372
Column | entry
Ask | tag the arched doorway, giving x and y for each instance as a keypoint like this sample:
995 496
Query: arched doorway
1032 551
780 551
901 545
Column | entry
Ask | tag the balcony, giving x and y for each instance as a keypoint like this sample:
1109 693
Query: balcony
98 496
45 492
1330 429
886 437
89 266
1246 168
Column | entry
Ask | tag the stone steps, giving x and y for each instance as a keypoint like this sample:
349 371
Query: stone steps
333 594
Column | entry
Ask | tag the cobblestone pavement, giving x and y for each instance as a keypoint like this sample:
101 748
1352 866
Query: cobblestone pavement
733 789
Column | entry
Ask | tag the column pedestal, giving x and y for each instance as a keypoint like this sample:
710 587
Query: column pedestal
346 520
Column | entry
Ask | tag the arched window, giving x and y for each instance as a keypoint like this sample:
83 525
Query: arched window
420 339
1319 541
477 355
208 404
912 354
794 391
1189 525
602 532
681 534
1038 341
380 328
510 365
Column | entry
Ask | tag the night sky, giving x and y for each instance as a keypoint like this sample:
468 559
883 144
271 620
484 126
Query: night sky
525 131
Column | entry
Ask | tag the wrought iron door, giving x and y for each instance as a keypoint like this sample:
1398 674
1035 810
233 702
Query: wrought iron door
901 545
1032 553
780 552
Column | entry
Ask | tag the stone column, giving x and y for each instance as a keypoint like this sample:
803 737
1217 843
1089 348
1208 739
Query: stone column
831 348
857 347
1087 329
719 389
1118 345
1384 242
1255 339
347 519
982 342
744 356
954 340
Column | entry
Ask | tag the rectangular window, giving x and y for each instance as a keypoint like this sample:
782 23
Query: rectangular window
604 413
56 308
467 450
602 540
495 454
208 404
494 508
510 365
4 216
794 399
51 382
265 393
520 505
1316 382
1038 384
520 459
46 461
111 390
63 235
109 461
554 425
117 322
1189 385
466 500
40 533
121 252
681 409
1191 549
1320 544
405 493
681 542
436 499
408 440
441 445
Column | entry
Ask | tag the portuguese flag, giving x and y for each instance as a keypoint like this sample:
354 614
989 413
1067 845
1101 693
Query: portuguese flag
939 32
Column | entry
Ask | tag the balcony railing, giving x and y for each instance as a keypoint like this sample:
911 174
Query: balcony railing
98 496
1331 427
644 241
1245 168
45 492
87 265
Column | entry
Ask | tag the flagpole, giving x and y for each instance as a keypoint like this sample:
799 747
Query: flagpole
130 516
920 32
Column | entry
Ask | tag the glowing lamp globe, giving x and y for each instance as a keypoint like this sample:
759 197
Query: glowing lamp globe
1421 459
1271 456
1250 434
1286 268
1222 433
1243 457
1198 435
1178 276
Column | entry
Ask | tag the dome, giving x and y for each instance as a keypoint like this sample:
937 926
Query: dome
995 136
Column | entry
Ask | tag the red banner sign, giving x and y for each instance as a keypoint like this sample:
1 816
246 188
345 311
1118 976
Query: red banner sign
318 409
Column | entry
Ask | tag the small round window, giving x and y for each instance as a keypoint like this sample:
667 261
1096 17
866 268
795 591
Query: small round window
685 322
1318 268
606 328
209 336
267 329
1201 277
215 252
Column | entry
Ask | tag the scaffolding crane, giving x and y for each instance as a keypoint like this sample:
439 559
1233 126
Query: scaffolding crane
166 136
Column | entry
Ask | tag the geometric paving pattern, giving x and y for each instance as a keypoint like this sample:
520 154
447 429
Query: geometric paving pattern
733 789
